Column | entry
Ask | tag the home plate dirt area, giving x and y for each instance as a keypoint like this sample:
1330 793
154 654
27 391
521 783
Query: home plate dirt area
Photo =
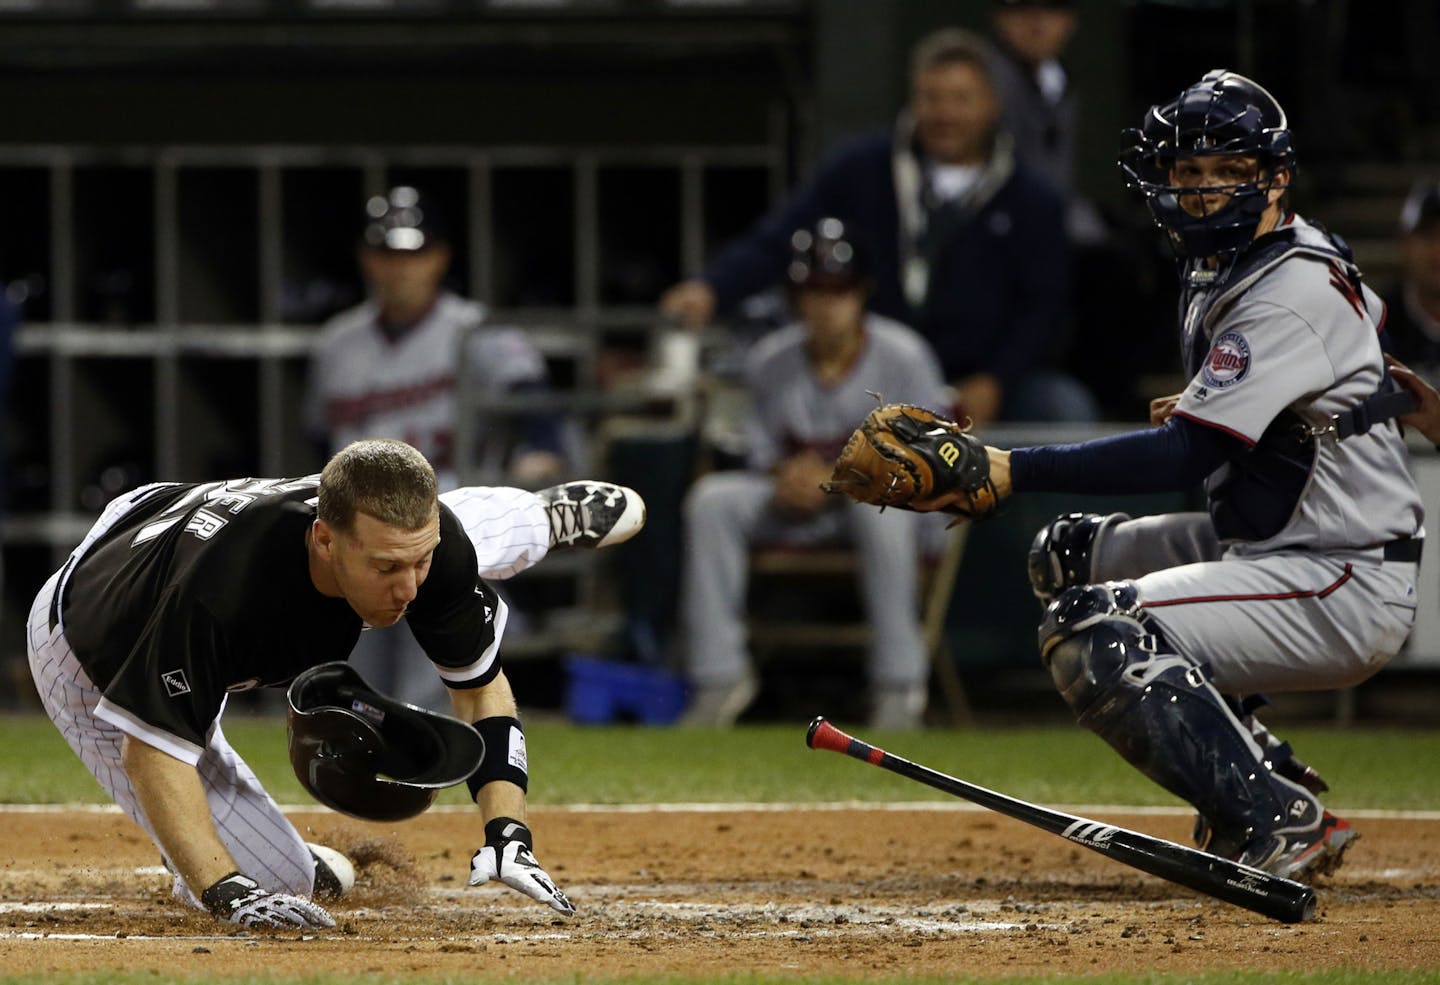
826 891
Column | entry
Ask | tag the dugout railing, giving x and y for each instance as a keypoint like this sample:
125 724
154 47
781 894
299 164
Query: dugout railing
172 295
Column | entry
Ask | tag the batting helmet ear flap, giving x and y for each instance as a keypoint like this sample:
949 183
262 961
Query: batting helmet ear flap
368 755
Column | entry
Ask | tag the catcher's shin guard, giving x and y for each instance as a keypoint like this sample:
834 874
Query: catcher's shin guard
1162 714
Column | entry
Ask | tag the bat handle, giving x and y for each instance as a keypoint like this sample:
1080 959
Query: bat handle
823 735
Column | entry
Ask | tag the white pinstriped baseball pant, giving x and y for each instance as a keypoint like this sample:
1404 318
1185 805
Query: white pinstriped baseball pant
511 531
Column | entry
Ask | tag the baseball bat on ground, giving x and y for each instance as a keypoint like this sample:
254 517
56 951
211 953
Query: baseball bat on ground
1254 889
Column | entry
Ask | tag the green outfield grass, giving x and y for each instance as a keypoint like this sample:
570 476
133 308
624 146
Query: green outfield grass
1366 767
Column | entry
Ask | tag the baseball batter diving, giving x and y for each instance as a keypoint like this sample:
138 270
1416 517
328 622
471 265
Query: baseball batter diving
1162 632
184 592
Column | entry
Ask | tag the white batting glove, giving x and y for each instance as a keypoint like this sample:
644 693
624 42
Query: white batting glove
507 856
239 900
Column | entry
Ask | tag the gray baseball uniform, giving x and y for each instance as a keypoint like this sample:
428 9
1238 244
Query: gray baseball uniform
727 512
1287 584
366 384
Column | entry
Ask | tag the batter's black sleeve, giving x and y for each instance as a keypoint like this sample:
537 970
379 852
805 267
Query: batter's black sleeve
456 616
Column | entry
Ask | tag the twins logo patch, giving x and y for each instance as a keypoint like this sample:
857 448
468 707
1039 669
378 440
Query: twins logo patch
1228 361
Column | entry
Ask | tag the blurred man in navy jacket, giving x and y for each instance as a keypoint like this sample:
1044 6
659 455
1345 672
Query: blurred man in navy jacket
968 246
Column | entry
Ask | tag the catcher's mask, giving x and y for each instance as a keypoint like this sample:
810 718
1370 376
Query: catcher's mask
1222 114
369 755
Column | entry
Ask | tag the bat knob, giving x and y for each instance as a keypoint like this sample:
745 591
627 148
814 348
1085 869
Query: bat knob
818 721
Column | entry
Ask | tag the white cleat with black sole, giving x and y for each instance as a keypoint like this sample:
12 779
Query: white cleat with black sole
591 513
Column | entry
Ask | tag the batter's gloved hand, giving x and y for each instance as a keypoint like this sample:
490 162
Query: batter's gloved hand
507 856
239 900
914 459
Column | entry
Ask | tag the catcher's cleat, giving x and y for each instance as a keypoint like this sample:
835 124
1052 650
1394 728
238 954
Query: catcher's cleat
590 513
1302 854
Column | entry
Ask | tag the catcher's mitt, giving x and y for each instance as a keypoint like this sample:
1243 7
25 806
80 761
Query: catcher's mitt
908 457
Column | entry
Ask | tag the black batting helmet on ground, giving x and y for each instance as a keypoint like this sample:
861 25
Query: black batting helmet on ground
368 755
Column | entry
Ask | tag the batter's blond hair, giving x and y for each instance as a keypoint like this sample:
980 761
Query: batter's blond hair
380 477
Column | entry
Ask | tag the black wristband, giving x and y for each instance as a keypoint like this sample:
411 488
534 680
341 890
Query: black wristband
505 756
502 829
218 898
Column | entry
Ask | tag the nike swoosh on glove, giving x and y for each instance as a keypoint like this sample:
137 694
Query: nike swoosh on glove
507 856
239 900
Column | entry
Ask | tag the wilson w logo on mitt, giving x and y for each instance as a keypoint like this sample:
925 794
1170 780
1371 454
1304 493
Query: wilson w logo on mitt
914 459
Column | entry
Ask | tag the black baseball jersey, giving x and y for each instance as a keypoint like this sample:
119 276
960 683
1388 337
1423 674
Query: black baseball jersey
200 589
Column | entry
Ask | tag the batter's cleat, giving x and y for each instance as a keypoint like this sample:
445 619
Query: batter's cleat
1302 854
590 513
720 705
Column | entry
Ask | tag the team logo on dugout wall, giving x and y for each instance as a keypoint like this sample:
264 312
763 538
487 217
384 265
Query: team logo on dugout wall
1228 361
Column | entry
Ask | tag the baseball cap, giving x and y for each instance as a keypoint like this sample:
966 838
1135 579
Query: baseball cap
1422 208
399 220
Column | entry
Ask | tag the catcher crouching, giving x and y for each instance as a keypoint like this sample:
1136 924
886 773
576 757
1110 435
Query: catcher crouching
1162 633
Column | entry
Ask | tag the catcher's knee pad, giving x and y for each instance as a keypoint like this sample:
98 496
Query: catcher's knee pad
1061 553
1089 636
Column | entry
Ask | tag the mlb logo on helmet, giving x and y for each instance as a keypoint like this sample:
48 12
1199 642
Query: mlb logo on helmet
1228 362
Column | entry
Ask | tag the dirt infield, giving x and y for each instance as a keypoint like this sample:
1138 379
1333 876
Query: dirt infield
838 893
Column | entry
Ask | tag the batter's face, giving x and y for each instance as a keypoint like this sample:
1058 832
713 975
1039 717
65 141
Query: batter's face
404 281
1216 178
955 113
375 567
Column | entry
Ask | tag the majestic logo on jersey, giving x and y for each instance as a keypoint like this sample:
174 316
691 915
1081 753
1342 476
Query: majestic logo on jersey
1228 361
175 683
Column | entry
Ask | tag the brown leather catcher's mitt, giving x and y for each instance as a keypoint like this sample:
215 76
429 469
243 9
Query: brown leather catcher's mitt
908 457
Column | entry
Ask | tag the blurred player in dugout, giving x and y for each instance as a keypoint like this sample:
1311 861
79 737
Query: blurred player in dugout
388 368
809 382
967 242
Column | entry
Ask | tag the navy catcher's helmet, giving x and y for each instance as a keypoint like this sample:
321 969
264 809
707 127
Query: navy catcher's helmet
369 755
1224 113
399 220
825 257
